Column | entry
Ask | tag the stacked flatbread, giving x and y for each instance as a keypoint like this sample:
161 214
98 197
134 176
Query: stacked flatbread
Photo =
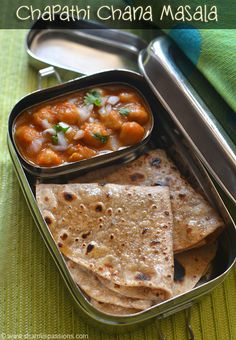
195 221
120 227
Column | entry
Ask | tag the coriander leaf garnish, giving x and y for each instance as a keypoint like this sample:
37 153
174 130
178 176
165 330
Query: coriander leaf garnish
55 139
124 111
93 97
103 139
61 128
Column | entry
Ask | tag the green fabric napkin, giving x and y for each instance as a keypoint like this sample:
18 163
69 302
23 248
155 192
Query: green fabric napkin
213 51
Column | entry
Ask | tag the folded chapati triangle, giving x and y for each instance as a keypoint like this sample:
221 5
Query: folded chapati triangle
110 298
121 233
195 222
189 267
92 286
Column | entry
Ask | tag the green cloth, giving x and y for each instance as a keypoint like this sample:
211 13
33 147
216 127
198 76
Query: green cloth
33 297
214 53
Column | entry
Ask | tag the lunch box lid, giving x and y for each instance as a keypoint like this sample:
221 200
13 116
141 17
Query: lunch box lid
87 47
195 120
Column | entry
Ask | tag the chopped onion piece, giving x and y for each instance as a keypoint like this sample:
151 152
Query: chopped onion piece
114 143
63 125
103 101
79 134
113 100
36 145
89 107
108 108
91 120
51 131
45 124
59 147
61 139
84 113
102 111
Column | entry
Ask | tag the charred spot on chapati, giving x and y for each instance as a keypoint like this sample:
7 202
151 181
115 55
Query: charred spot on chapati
179 271
155 162
85 235
102 184
64 236
89 248
48 220
182 195
68 196
136 176
154 243
189 230
164 226
159 183
99 207
142 277
144 231
109 211
60 244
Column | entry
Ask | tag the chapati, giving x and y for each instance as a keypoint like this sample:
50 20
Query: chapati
195 222
122 233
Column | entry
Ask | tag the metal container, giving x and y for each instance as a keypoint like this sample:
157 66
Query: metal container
124 154
81 47
170 133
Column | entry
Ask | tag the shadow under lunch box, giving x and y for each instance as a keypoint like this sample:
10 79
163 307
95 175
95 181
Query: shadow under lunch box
183 124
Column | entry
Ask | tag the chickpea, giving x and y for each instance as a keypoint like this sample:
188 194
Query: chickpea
45 113
48 157
131 133
95 134
138 114
67 113
82 152
26 134
112 120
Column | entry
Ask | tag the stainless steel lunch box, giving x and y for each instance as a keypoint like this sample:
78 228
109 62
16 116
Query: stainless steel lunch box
173 102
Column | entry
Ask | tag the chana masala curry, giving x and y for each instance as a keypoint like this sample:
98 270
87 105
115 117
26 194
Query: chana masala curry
82 125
